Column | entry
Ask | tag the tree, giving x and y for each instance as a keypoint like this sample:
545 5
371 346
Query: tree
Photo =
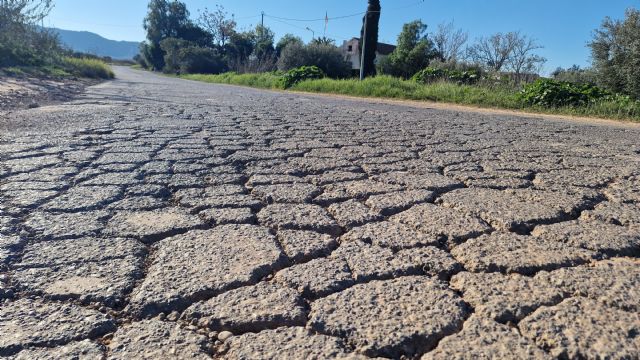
370 20
493 51
218 24
413 53
194 33
23 12
21 41
323 41
264 38
615 49
575 74
522 59
164 20
171 48
510 51
448 41
285 41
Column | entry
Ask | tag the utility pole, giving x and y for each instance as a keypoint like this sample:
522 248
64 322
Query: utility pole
262 22
364 43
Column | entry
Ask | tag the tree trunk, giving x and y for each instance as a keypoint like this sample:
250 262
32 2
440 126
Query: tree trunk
372 17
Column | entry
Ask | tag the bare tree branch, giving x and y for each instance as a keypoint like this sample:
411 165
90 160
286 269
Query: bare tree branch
448 41
493 51
522 59
18 13
218 23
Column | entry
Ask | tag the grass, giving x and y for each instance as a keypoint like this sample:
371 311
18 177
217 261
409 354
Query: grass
85 67
36 71
262 80
65 67
498 97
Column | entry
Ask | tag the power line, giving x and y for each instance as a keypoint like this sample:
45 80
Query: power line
344 16
304 28
313 20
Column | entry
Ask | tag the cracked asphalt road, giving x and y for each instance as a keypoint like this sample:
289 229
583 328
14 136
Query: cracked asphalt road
154 217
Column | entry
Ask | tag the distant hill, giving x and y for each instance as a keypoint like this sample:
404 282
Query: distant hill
88 42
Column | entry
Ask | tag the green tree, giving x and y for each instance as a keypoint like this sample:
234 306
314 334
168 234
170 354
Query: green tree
286 40
615 50
218 24
575 74
164 20
171 48
371 18
264 38
238 49
323 41
413 52
20 13
196 34
21 41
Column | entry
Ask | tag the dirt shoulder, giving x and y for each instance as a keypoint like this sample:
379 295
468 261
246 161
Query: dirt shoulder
474 109
30 92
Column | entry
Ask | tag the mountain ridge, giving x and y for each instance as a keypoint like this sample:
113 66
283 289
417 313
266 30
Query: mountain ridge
92 43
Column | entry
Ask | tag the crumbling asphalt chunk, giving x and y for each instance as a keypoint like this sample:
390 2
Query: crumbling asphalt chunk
403 316
482 338
154 339
607 239
151 226
84 349
298 217
30 323
285 343
518 210
614 283
505 298
199 264
249 309
582 328
512 253
442 223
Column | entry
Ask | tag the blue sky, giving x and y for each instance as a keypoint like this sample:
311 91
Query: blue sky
563 27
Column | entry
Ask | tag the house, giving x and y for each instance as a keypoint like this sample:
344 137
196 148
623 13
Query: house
351 51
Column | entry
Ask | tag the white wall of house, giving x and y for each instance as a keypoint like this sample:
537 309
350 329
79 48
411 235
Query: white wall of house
351 51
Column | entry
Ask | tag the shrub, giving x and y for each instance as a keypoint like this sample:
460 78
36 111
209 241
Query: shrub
326 57
413 53
553 93
92 68
431 74
171 48
197 60
302 73
575 74
615 51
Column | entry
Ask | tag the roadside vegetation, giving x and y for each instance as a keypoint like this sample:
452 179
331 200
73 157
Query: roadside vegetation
446 65
28 49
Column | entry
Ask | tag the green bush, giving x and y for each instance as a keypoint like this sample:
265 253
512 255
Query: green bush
430 75
414 52
302 73
553 93
576 75
91 68
199 60
326 57
260 80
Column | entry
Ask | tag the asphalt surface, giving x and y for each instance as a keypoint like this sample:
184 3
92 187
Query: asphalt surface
159 218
